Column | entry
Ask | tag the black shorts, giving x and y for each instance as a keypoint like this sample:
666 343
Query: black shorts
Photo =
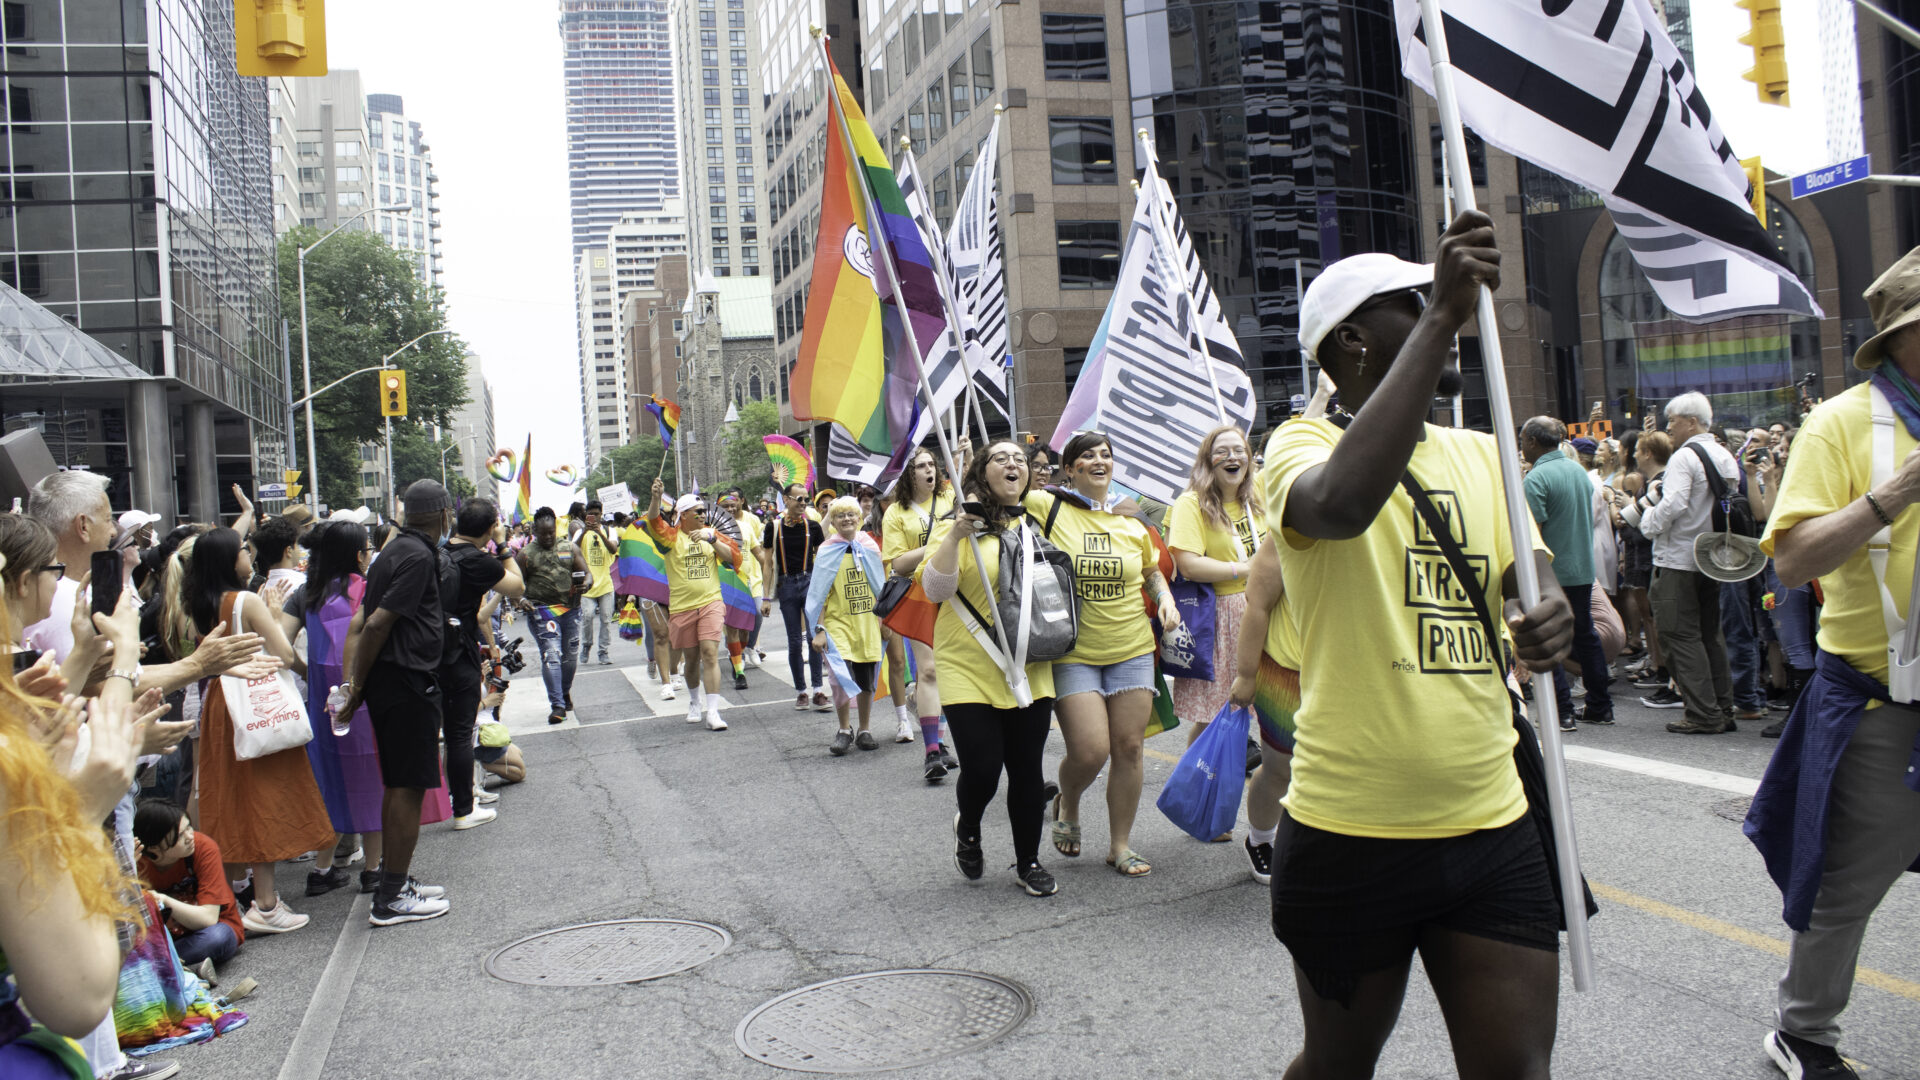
406 707
866 674
1345 906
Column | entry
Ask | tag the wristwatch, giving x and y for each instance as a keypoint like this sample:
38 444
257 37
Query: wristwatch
132 677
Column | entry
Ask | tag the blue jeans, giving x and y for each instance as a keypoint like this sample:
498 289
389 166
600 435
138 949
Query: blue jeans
216 943
559 640
596 610
1793 620
1744 658
1588 654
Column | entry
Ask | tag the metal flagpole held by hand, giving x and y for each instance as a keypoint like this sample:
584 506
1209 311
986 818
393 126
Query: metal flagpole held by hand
1572 888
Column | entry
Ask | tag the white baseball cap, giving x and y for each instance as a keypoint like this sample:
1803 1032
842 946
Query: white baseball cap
136 519
689 502
1342 287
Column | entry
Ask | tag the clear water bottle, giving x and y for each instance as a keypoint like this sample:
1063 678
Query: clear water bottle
336 711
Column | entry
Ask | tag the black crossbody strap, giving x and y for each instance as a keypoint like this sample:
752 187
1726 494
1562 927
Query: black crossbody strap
1456 558
1716 484
1052 515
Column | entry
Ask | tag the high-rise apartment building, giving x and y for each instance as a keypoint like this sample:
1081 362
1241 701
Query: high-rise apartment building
332 166
472 429
154 240
606 275
403 173
620 122
718 71
640 240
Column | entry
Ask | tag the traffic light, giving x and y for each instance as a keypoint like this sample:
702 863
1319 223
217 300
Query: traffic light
1756 188
1768 39
293 491
280 37
393 392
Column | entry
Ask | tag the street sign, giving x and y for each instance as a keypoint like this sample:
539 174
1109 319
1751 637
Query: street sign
1833 176
273 491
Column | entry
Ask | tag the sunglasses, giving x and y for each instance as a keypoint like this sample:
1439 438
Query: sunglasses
1419 298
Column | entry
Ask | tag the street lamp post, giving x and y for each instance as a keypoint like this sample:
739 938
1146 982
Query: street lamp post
381 366
306 362
450 446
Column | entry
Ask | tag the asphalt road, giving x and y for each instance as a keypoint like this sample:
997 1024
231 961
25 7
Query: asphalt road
821 867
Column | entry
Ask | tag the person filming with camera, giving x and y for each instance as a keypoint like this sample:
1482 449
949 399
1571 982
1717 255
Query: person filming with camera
468 572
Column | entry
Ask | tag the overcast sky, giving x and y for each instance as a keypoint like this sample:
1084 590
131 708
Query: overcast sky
484 77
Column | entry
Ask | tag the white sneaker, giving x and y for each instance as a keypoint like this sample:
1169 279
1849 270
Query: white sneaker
903 733
277 921
694 711
750 656
484 797
714 723
666 690
480 816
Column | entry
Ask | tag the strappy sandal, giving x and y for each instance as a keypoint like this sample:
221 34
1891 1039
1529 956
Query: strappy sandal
1066 834
1130 864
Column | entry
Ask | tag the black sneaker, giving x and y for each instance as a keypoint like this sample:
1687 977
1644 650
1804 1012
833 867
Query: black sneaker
1695 727
842 742
1773 730
321 882
1653 680
1664 699
866 741
947 758
409 906
967 856
369 880
936 769
1260 861
1037 881
1568 723
1803 1060
739 680
1594 717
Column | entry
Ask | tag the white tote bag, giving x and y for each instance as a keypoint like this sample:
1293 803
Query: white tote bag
268 715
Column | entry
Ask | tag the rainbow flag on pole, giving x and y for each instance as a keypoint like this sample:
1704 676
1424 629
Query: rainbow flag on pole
666 416
523 508
642 572
855 367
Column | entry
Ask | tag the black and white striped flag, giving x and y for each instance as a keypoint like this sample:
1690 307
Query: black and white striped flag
1595 91
974 266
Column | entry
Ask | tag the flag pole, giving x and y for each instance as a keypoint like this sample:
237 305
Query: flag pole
1572 888
1168 254
935 244
876 241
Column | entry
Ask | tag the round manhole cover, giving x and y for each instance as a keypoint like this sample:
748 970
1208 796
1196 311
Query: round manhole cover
883 1020
608 953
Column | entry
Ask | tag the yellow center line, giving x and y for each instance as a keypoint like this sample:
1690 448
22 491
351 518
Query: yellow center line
1740 935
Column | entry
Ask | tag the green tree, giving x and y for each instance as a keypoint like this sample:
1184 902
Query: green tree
745 456
363 302
416 456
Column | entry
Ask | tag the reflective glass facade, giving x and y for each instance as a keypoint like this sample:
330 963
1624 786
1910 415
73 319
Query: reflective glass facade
1284 130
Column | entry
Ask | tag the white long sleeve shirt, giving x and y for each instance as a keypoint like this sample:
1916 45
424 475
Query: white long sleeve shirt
1685 509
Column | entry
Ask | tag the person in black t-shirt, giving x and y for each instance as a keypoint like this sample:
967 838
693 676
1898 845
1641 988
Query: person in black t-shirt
469 573
394 648
786 559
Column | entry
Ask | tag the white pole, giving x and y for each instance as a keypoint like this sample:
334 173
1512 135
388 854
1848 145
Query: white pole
1572 889
1446 213
958 322
1167 251
876 239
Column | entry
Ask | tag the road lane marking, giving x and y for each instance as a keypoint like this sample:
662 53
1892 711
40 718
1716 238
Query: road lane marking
307 1054
1740 935
1663 770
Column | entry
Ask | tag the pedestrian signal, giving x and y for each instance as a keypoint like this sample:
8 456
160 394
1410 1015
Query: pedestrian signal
280 37
1768 40
393 392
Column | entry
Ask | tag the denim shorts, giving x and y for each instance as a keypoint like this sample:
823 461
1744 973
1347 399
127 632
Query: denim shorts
1105 680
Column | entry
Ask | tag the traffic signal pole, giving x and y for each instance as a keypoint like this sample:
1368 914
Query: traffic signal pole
1900 29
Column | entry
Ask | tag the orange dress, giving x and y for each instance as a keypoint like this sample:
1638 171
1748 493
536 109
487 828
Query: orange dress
265 810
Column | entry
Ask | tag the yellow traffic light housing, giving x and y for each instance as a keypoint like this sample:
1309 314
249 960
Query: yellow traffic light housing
1768 39
280 37
1756 188
393 392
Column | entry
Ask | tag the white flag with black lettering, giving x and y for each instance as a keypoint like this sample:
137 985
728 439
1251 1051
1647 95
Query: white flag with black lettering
848 460
1595 91
946 362
1146 380
974 266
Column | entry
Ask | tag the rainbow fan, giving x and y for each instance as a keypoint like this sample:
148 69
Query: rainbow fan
504 466
565 475
791 463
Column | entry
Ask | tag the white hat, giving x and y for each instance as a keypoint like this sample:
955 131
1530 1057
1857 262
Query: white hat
1342 287
136 519
361 516
689 501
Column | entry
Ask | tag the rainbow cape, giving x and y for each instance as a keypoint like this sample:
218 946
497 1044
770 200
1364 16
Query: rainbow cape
855 367
666 417
642 572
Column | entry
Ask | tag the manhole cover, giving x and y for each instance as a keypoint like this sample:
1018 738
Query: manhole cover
882 1020
607 953
1732 809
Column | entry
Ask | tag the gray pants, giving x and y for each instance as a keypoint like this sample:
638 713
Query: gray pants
1873 835
1686 611
598 609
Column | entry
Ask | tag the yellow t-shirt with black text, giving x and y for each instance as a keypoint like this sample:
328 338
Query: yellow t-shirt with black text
751 530
905 528
1190 529
968 675
848 614
693 579
1110 554
1405 726
599 556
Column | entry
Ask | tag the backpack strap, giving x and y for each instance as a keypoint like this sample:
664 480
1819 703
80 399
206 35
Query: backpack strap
1052 515
1716 484
1881 542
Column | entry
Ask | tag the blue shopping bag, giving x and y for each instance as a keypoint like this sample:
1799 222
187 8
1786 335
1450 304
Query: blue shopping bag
1203 794
1187 652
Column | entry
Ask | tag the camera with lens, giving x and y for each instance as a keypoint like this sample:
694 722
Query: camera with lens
509 663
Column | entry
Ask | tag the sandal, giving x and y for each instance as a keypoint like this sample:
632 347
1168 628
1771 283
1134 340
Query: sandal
1066 834
1130 864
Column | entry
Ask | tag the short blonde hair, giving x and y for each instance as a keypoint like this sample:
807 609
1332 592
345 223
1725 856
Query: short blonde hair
844 502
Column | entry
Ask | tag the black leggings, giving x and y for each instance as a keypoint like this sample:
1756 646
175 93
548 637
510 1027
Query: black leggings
988 740
464 688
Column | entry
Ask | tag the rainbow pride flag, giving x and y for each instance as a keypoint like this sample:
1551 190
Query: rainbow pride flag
523 508
738 598
855 367
666 417
642 572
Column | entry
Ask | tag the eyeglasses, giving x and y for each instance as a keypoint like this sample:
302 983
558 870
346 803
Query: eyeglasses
55 568
1419 299
1003 458
1220 452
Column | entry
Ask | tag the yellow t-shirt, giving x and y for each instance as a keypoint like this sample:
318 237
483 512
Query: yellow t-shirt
751 530
1190 529
848 614
599 556
1405 727
902 529
1110 555
693 581
967 673
1831 467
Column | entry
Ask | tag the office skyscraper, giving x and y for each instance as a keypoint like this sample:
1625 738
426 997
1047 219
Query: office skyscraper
620 122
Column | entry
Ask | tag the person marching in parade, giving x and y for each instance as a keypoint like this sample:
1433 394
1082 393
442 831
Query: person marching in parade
696 626
844 629
922 498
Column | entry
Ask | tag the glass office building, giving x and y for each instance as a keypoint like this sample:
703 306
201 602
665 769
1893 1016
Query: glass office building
138 208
